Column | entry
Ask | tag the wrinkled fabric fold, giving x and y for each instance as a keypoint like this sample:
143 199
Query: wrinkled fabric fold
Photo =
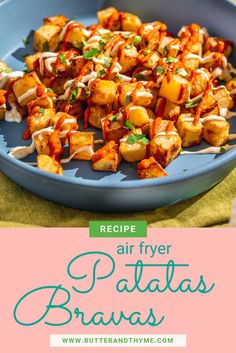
20 208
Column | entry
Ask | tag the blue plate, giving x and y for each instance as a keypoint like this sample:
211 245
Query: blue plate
80 187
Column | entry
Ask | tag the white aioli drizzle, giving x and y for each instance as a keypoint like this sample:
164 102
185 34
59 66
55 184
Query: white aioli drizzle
88 149
5 77
27 94
210 150
13 116
47 56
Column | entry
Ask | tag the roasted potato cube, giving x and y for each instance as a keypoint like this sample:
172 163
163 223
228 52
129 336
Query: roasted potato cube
209 105
59 20
165 146
41 141
97 113
200 82
2 103
30 60
138 116
171 44
130 22
216 132
107 158
191 63
40 120
128 59
76 36
25 88
47 38
81 145
4 66
150 168
231 85
142 97
176 89
190 133
69 121
104 15
167 109
104 93
224 100
132 146
215 44
113 130
48 164
150 60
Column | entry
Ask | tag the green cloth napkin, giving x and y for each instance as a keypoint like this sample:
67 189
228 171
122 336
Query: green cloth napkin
20 208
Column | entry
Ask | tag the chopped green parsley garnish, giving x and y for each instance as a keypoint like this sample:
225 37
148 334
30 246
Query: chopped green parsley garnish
74 95
79 45
159 70
137 40
129 125
46 46
107 63
101 73
62 58
89 54
25 41
41 110
165 50
140 77
132 139
169 59
193 104
112 118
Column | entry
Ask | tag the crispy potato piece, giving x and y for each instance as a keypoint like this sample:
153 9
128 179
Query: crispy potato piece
4 66
224 100
150 168
167 109
197 48
30 60
191 64
216 132
47 38
107 158
143 97
59 20
200 82
76 36
83 142
209 105
25 88
130 22
128 59
215 44
97 113
104 93
113 130
40 120
171 44
165 147
150 59
138 116
2 103
133 152
69 123
104 15
190 133
41 141
231 85
48 164
176 89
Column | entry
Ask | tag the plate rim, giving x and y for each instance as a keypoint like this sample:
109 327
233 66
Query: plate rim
217 163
